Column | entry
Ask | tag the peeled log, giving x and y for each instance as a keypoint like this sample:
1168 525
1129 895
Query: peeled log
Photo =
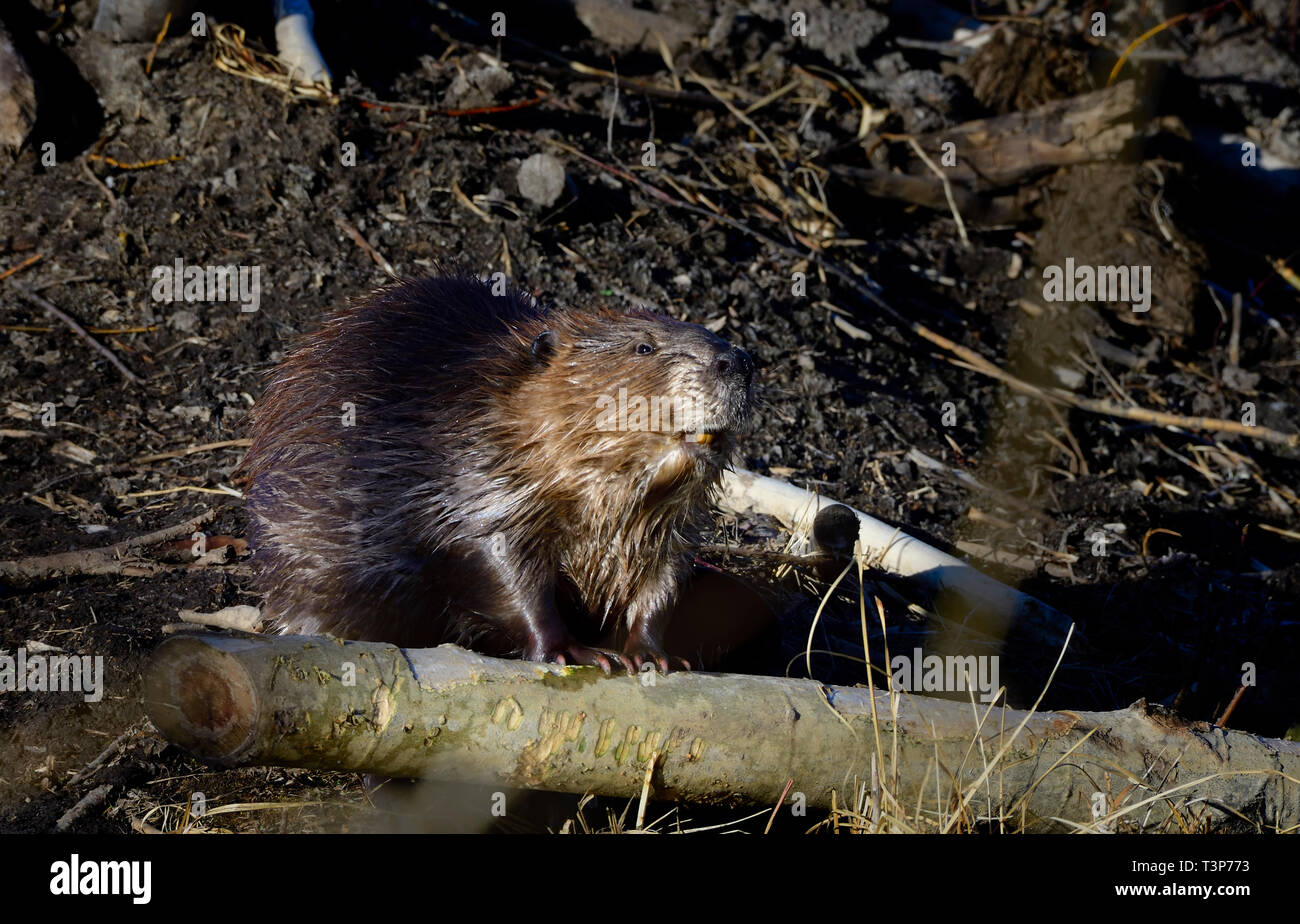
450 714
969 595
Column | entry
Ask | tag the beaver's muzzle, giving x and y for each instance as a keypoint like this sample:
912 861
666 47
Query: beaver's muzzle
734 363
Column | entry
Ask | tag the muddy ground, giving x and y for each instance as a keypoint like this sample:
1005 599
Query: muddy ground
1191 581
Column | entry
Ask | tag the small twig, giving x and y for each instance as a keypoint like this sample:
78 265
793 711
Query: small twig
1075 448
136 165
779 802
157 43
90 800
773 96
1146 539
947 187
104 755
1227 712
41 329
224 444
112 199
1114 71
1165 419
654 191
1155 30
505 255
468 202
68 281
978 363
425 110
80 331
203 124
351 231
181 489
20 267
1287 533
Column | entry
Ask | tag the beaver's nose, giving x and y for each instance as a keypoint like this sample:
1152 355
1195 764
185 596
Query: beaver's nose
734 362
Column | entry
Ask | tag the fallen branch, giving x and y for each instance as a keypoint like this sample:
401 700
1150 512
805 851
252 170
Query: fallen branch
1007 149
104 560
453 715
1003 151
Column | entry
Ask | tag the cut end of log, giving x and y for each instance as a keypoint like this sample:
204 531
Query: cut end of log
201 698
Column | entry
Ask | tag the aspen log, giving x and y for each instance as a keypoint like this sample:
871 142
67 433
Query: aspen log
449 714
961 592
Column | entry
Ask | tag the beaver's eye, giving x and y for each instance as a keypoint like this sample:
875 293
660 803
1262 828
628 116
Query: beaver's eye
645 349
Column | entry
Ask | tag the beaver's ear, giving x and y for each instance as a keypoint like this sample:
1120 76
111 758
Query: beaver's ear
543 347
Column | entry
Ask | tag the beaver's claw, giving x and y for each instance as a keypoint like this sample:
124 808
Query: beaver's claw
640 652
571 653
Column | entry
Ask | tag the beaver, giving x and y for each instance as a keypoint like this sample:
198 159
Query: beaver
449 460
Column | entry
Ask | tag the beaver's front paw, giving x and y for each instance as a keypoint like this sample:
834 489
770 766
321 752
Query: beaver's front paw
642 651
570 653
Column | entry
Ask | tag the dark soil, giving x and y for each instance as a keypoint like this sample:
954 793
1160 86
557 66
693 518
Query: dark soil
1190 587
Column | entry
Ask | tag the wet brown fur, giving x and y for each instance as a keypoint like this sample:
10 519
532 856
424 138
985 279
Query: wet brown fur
476 499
